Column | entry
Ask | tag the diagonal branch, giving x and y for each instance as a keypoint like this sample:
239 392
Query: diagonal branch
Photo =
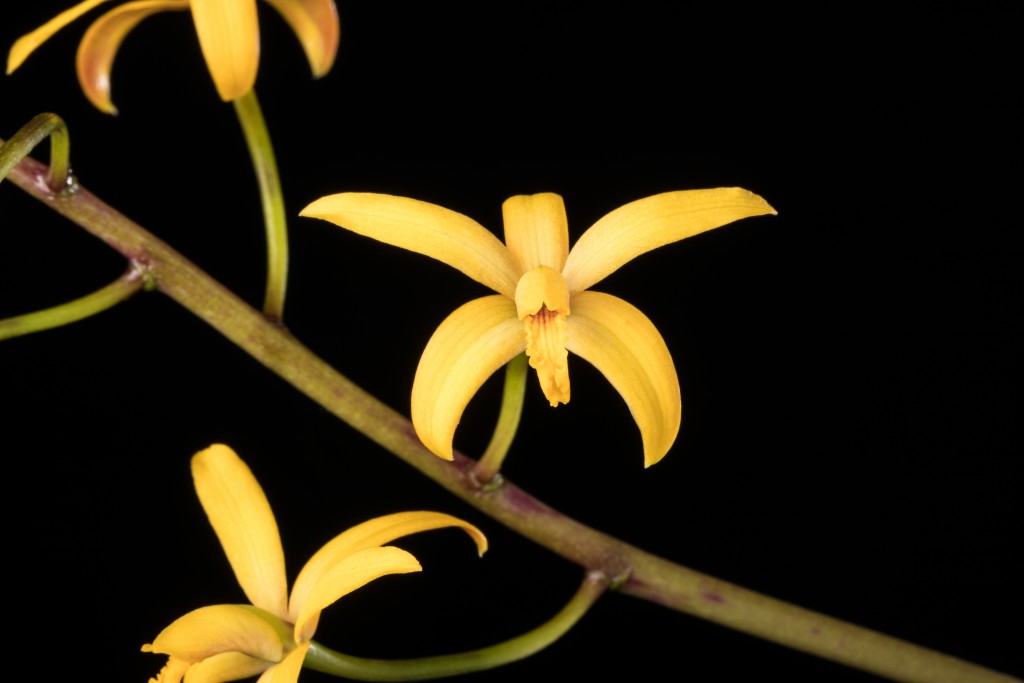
648 577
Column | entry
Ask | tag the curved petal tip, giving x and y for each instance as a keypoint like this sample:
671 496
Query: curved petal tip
28 43
621 342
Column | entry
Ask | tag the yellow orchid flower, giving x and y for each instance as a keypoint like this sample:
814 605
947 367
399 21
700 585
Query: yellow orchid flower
228 36
544 305
270 637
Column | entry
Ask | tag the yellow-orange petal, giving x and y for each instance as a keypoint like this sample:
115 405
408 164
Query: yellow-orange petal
651 222
216 629
288 670
536 230
425 228
475 340
627 348
28 43
229 36
345 576
102 40
371 533
227 666
245 524
315 23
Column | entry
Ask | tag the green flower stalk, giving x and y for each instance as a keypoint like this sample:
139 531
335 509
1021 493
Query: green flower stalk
229 38
486 470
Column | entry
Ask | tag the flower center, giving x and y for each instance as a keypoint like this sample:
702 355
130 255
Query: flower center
542 303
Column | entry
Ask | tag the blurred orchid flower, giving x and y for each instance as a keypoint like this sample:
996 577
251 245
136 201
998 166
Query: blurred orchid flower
228 36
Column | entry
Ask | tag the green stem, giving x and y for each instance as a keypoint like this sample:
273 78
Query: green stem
650 577
508 422
328 661
117 291
272 198
30 135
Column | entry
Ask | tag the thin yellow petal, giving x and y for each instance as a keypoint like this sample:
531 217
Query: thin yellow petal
215 629
227 666
288 670
626 347
28 43
229 36
425 228
345 576
536 230
103 39
245 524
649 223
369 534
466 349
315 23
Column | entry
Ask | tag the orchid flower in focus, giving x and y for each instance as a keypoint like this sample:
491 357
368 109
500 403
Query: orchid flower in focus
544 305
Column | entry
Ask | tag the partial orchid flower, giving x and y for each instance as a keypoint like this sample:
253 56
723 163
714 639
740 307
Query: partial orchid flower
228 33
270 636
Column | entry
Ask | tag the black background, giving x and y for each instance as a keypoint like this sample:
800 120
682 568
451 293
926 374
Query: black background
850 437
